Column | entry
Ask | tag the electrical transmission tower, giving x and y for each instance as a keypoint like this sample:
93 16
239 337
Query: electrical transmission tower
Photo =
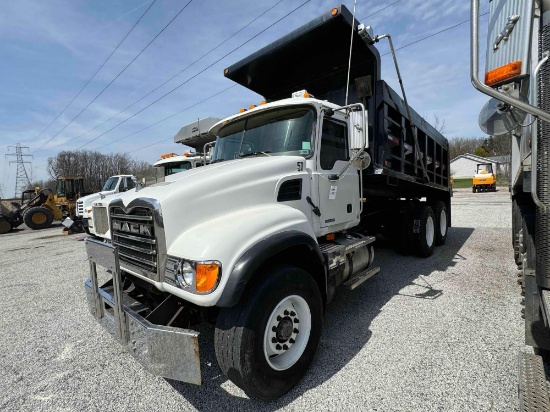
21 178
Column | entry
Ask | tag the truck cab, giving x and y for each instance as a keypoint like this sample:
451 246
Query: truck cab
114 184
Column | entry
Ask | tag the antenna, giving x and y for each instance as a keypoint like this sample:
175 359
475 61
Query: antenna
350 50
21 178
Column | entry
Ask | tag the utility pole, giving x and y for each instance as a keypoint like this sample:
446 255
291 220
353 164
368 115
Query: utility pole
21 178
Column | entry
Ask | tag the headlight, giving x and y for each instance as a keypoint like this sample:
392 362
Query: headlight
187 273
196 277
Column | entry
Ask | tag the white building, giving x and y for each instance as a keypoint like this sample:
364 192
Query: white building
465 166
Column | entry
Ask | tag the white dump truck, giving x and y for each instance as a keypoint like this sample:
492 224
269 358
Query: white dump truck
114 184
258 241
194 135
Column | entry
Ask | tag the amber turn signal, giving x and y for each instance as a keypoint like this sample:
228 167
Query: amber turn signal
207 275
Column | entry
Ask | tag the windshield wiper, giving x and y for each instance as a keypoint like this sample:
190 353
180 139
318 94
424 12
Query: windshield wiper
254 153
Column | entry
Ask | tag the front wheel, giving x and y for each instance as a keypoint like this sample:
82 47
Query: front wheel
266 342
38 217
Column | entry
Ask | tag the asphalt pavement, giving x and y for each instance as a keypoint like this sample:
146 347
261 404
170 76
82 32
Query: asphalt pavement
436 334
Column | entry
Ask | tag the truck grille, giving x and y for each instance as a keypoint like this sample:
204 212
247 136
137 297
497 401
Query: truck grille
542 222
79 208
134 236
101 220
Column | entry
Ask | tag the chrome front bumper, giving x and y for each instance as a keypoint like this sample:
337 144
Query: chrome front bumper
163 350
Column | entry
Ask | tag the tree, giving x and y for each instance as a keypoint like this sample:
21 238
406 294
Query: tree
94 167
439 124
481 152
462 145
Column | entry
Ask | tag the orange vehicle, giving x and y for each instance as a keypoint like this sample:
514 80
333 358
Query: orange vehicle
485 180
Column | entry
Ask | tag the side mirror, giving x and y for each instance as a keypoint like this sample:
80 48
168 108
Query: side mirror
361 162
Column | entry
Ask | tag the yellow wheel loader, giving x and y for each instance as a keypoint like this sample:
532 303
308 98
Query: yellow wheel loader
39 208
485 180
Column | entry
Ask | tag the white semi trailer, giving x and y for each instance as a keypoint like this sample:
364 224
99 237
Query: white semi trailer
258 241
517 78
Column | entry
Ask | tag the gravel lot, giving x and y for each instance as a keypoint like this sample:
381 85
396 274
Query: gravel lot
437 334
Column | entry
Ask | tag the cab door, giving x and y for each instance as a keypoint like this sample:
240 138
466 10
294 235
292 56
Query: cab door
339 199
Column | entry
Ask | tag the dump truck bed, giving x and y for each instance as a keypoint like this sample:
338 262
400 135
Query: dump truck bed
315 57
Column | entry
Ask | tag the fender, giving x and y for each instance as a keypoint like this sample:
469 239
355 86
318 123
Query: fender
252 259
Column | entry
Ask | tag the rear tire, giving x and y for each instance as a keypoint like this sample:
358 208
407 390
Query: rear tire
425 238
266 342
473 189
38 218
441 223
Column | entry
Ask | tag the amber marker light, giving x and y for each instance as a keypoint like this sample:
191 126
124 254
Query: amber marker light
242 110
330 236
226 71
207 275
252 106
334 11
263 102
503 73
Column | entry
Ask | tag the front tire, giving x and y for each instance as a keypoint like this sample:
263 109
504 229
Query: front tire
38 218
266 342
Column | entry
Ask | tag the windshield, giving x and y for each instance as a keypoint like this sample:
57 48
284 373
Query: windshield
110 184
278 132
171 168
485 168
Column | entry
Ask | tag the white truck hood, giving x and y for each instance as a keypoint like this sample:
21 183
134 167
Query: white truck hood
187 199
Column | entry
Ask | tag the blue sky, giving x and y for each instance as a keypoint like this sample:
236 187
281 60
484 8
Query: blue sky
50 49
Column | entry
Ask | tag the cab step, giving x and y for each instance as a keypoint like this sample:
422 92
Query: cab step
358 279
533 388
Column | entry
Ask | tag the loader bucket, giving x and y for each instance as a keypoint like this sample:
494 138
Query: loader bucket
5 225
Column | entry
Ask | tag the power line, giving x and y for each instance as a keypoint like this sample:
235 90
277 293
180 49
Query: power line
117 76
169 117
163 140
380 10
96 72
160 121
22 178
177 74
166 118
197 74
433 34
